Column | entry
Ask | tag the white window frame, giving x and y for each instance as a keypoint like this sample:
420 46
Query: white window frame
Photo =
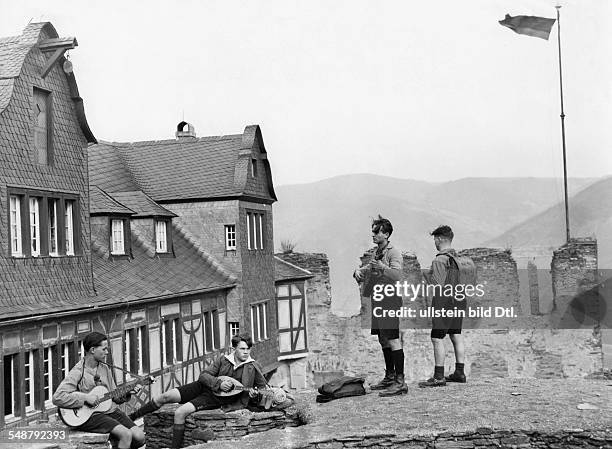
230 237
234 328
53 240
161 236
69 225
117 237
48 372
15 225
249 243
65 358
175 348
261 231
13 358
34 227
29 381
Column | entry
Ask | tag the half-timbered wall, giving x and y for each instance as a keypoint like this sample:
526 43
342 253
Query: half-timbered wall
173 340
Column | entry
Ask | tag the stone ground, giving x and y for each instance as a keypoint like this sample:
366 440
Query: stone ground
500 404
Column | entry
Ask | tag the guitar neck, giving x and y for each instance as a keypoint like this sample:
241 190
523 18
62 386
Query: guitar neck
121 389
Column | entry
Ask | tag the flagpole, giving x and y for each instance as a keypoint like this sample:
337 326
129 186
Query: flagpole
567 225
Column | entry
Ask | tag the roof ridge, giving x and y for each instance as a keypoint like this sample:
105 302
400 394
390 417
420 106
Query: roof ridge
167 141
192 241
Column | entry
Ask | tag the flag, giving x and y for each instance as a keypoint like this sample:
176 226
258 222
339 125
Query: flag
529 25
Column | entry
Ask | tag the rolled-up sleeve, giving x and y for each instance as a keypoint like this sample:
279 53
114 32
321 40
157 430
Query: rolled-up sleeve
67 394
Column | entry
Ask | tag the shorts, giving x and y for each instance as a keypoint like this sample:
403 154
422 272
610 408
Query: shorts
443 326
202 398
386 326
105 422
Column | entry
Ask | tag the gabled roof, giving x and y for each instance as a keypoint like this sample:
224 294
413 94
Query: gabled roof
142 204
101 203
285 271
181 169
13 52
143 277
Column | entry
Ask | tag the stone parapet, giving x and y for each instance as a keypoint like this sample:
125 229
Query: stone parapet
209 425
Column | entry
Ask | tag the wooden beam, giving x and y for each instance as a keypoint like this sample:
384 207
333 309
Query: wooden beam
58 47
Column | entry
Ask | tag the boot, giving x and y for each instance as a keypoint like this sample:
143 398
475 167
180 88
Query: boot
398 387
387 381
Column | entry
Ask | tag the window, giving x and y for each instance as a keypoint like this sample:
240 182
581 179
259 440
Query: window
254 168
52 235
135 350
291 317
11 378
69 228
161 238
208 332
48 374
230 237
67 359
171 343
42 126
34 227
29 381
234 328
117 237
259 321
15 225
255 231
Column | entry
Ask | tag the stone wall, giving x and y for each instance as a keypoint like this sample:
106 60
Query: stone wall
525 347
481 438
209 425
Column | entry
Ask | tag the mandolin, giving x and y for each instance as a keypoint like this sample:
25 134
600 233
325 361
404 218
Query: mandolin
74 417
278 394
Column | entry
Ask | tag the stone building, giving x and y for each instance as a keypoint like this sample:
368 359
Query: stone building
164 246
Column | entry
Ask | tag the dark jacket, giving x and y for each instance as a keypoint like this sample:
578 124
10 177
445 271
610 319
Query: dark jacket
248 373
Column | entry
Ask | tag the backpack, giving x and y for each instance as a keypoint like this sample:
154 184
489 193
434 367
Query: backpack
340 388
461 270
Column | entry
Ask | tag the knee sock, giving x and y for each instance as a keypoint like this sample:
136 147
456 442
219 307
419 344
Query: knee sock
149 407
459 368
439 372
388 354
178 430
398 361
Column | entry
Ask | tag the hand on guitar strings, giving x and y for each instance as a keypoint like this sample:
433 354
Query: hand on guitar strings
226 385
92 400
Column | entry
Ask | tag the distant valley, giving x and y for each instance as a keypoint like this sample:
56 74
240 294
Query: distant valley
334 216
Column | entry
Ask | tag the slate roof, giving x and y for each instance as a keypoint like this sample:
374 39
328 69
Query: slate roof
285 271
141 204
13 52
178 169
143 277
101 203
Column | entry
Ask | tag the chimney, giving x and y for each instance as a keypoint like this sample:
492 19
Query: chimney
181 134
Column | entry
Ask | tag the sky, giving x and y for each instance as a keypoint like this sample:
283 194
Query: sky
425 90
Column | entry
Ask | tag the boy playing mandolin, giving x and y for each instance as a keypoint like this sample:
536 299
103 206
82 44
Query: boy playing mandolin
75 392
204 393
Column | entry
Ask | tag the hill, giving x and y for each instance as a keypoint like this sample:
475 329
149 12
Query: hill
334 215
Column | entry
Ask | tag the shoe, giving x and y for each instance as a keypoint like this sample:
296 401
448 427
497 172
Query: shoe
398 387
387 381
456 377
433 382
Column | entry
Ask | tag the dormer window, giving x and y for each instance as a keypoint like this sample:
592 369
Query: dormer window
117 237
15 226
161 237
254 168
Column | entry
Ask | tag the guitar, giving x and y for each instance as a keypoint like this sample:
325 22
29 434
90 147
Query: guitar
74 417
278 394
